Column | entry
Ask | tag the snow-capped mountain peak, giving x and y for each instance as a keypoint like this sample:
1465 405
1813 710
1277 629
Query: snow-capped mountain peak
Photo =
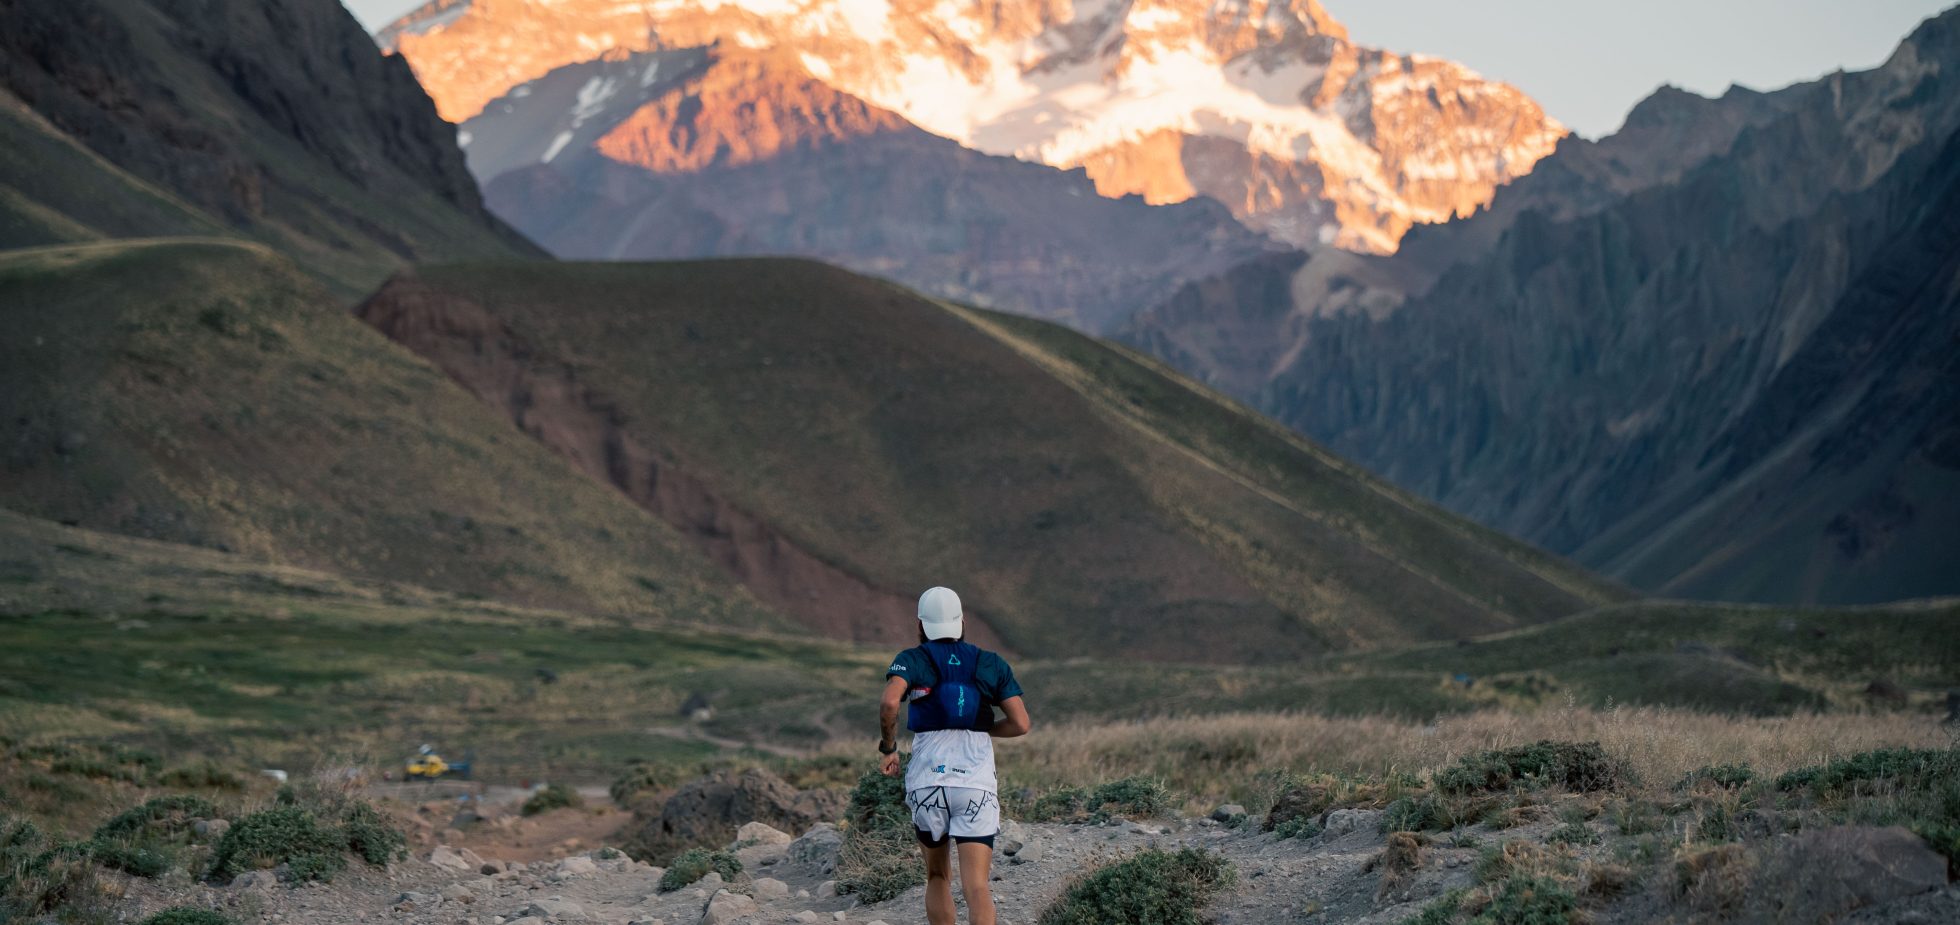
1265 105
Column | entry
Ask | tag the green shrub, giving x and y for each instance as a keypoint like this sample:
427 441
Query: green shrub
1440 912
1573 833
1422 813
135 859
206 775
1130 796
370 835
641 778
550 797
39 878
1908 767
1150 886
188 915
1298 827
1530 901
311 831
281 835
164 815
878 802
1577 766
695 863
1063 804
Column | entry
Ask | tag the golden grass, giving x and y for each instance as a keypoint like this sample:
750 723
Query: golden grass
1220 757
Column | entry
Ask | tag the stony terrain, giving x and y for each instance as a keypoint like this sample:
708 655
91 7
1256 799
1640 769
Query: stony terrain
1350 872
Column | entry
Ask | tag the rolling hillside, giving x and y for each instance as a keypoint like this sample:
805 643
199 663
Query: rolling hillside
207 392
838 443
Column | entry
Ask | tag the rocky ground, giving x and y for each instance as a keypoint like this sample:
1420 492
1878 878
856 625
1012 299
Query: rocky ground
1349 872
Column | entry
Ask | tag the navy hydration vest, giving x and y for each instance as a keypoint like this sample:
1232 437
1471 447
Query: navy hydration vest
953 701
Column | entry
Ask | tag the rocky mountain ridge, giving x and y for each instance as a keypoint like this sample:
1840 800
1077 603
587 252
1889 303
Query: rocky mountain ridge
1594 363
726 152
1264 105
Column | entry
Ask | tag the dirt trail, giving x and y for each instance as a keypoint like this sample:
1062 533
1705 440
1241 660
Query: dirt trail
1328 877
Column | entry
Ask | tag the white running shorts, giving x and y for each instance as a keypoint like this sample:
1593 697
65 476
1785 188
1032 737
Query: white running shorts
965 813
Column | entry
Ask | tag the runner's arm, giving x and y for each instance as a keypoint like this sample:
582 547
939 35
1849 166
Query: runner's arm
1016 723
888 705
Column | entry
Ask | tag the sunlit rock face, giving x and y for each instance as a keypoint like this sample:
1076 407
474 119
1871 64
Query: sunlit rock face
1267 107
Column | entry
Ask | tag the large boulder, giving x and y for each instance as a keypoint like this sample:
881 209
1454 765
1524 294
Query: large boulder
708 812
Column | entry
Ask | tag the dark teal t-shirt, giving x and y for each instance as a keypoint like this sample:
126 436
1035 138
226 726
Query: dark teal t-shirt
993 676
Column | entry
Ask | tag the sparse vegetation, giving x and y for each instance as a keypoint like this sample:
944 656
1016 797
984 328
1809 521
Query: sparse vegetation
1576 766
880 857
1149 886
550 797
311 830
695 863
188 915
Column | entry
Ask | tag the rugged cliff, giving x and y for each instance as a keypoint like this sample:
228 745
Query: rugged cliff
1711 354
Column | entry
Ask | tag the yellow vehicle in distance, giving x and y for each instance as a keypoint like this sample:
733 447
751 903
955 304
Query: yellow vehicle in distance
427 765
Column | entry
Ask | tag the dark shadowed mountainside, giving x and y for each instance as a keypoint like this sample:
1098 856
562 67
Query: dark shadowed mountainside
279 121
1712 355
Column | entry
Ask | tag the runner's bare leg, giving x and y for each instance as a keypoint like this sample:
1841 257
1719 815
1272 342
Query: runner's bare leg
939 884
976 870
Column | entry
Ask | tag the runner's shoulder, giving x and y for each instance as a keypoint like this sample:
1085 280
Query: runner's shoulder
906 665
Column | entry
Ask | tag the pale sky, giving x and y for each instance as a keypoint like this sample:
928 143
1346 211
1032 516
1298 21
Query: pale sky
1588 61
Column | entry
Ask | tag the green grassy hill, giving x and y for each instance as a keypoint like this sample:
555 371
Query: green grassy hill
841 443
207 392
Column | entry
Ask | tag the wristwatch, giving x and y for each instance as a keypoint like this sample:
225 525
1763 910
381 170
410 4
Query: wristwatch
886 748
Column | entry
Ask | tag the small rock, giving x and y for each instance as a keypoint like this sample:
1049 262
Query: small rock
445 856
802 894
1225 812
726 907
492 868
768 888
710 880
556 908
826 889
757 833
839 916
577 866
458 893
417 900
255 880
527 920
210 829
807 915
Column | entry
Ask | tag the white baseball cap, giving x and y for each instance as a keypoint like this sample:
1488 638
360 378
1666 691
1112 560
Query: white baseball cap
939 614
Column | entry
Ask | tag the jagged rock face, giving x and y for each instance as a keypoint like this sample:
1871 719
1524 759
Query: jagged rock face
1712 355
699 153
252 112
1266 106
